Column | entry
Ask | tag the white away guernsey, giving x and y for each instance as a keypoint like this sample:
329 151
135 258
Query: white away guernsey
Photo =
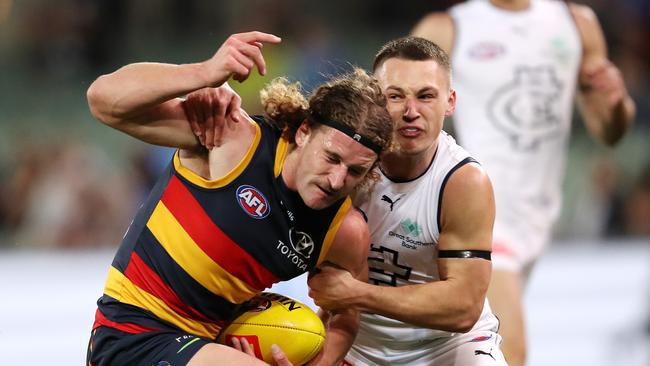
403 219
515 76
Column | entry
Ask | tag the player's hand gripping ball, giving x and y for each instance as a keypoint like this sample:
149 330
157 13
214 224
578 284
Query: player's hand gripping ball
271 318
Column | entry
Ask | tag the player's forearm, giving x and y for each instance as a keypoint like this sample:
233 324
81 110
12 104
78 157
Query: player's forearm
622 117
449 305
608 124
341 331
135 88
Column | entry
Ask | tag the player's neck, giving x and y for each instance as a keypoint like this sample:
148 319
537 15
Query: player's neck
511 5
398 166
288 168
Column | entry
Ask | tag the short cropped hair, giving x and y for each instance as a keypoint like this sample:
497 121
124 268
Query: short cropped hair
413 49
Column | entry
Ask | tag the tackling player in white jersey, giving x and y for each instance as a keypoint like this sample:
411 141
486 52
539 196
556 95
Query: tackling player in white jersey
430 218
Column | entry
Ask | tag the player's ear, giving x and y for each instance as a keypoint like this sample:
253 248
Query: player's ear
451 103
303 133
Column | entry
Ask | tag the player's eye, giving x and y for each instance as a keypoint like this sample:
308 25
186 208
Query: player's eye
394 96
356 172
331 159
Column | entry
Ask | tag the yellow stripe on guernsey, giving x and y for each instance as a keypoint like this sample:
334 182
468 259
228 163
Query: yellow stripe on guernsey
125 291
280 154
230 176
187 254
333 229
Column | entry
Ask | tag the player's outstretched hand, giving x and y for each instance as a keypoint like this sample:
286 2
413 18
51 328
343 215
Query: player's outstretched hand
210 111
237 56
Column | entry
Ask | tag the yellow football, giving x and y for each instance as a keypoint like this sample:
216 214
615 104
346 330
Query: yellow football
271 318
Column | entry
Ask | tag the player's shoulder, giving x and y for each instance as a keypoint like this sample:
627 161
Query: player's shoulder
469 180
260 125
436 18
353 224
350 246
582 11
437 27
255 121
468 193
353 229
588 26
584 16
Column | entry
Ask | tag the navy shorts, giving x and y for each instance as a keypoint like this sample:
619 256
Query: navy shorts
109 346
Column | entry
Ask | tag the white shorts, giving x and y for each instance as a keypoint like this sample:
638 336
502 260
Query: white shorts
475 348
516 246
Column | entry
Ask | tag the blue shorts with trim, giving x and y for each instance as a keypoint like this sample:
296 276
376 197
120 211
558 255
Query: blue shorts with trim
112 347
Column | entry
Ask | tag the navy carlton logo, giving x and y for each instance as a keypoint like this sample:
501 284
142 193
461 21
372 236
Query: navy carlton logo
253 202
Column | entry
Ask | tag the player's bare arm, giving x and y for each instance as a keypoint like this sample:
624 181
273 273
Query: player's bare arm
348 253
227 356
603 99
144 99
467 220
437 27
455 302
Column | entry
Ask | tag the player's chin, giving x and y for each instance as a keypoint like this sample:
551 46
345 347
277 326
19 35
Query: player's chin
319 204
318 199
411 147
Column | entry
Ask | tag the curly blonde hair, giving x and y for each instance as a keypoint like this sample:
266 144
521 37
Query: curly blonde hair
353 99
285 105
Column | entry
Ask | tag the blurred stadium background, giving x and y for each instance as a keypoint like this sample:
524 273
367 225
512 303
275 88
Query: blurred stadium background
69 186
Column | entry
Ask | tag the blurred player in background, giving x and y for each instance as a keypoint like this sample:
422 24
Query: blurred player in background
518 64
266 202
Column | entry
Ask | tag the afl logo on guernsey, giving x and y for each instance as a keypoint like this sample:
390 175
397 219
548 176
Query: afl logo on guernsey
253 202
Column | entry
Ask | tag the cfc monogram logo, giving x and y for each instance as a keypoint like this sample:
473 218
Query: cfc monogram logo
253 202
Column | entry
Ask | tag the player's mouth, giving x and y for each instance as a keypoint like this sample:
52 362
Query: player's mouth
325 192
409 132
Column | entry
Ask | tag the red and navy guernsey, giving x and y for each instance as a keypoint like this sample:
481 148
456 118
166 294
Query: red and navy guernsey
197 249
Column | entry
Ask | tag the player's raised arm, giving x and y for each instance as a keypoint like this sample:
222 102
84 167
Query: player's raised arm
142 99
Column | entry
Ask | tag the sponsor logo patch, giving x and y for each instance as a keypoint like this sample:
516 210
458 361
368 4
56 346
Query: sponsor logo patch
486 50
253 202
301 242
